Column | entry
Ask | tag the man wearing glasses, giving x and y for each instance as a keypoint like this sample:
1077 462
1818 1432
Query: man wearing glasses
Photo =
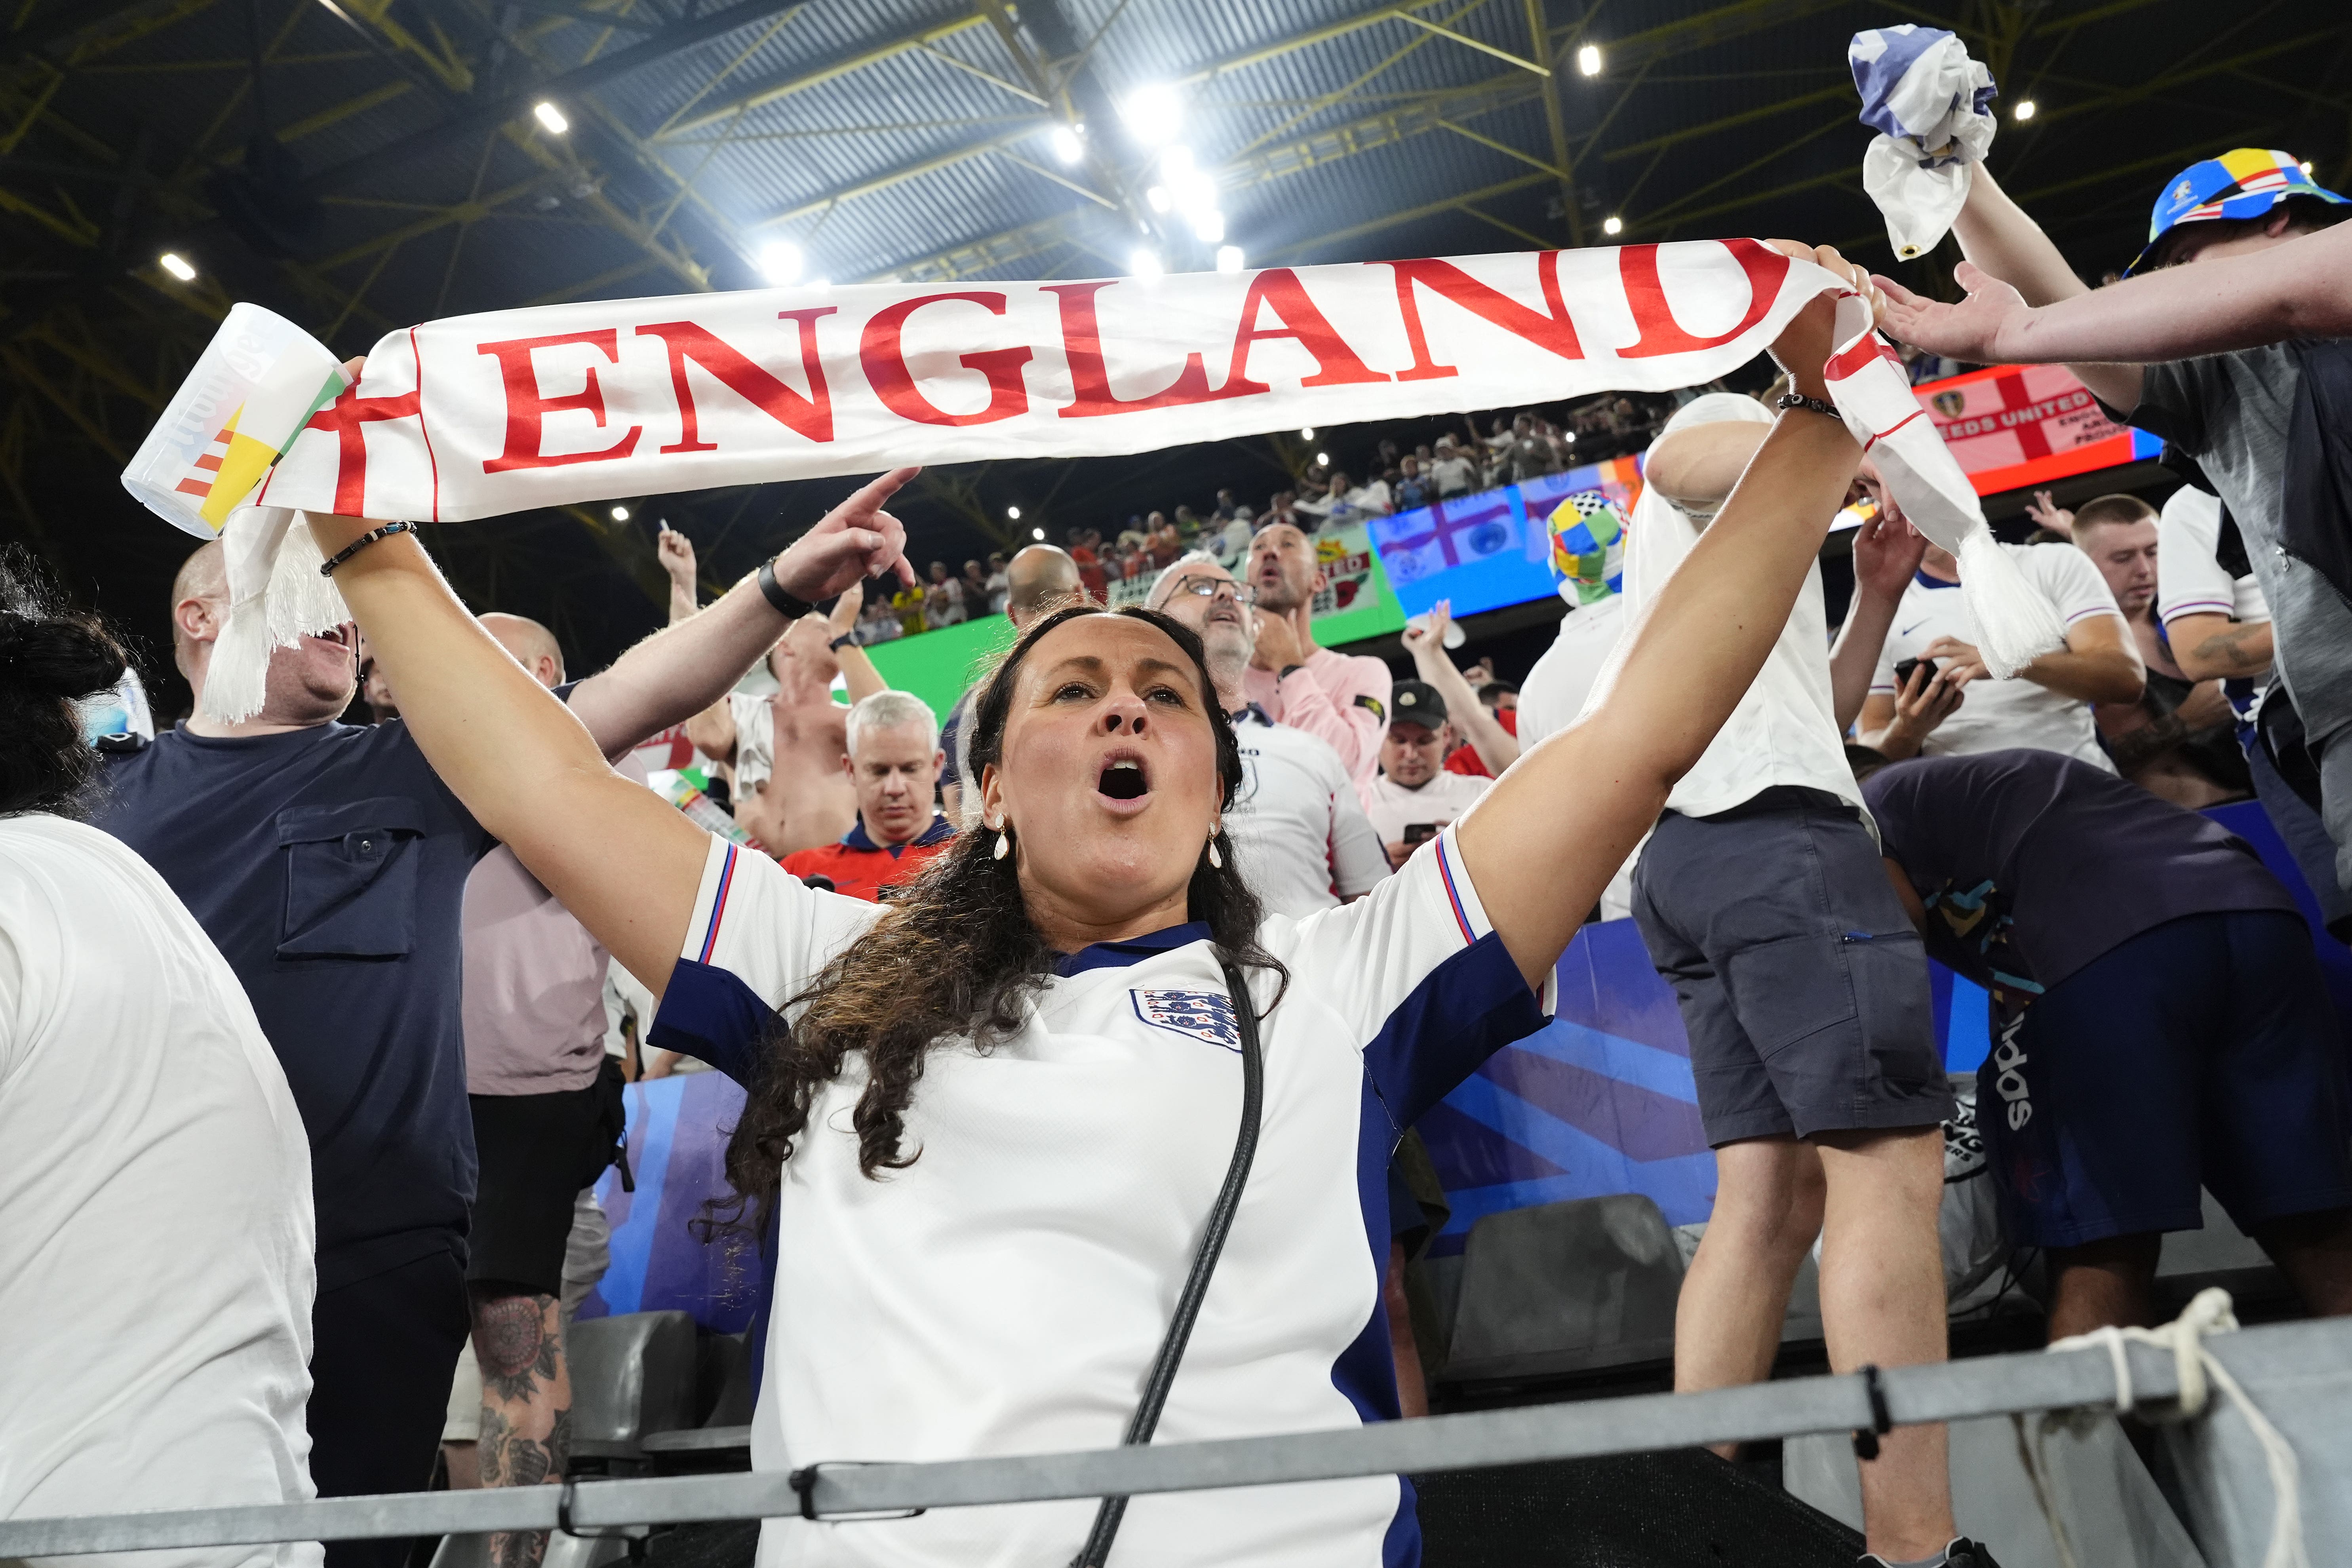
1302 839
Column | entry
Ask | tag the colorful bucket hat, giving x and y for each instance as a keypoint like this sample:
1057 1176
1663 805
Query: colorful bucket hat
2241 184
1588 547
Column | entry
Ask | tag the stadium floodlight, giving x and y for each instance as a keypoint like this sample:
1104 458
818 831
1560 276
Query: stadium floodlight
1038 534
546 114
1155 113
1613 224
1067 148
1145 263
2024 110
1209 227
620 514
1014 513
1588 59
173 263
1322 460
1308 434
2307 166
781 262
1229 258
1159 198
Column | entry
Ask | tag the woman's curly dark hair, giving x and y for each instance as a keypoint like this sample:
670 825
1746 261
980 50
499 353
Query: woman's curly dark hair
955 957
50 657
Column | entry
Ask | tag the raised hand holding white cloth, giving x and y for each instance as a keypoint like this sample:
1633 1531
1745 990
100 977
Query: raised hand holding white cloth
1932 106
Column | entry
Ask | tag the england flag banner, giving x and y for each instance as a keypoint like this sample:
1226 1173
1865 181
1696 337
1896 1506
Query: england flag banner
479 416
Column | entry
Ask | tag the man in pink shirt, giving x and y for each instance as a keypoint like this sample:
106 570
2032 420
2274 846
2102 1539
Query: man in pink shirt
1341 699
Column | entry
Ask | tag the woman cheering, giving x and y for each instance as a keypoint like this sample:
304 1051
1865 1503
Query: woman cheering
994 1118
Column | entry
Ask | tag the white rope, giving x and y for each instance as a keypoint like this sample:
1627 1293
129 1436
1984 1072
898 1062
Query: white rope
2209 1313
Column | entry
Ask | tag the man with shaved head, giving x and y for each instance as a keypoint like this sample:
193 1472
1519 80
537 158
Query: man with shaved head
329 866
534 1005
1038 581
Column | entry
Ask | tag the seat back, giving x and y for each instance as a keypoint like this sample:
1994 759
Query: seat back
1564 1288
631 1376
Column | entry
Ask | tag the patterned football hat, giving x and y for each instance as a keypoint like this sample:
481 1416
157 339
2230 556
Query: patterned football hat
1588 547
2246 183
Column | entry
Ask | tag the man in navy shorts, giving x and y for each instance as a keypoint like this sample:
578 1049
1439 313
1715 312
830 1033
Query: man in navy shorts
2159 1022
1804 992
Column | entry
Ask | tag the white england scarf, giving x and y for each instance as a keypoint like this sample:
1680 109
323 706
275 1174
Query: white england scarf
479 416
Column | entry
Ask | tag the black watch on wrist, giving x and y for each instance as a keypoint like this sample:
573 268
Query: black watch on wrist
1288 671
843 641
789 605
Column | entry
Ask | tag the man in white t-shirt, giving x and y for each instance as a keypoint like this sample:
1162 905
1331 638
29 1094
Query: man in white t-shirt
2213 613
2047 705
1413 790
1300 837
2179 741
1803 987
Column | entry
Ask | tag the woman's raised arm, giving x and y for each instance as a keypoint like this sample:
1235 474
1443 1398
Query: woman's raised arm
623 863
1545 840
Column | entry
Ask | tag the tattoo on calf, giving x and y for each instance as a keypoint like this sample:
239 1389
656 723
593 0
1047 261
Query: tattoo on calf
518 1346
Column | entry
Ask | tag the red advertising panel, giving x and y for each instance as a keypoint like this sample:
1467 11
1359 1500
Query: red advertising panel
2014 425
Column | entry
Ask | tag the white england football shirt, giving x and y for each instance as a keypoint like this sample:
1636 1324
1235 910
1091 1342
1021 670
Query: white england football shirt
1994 715
2189 577
1300 837
1006 1293
148 1132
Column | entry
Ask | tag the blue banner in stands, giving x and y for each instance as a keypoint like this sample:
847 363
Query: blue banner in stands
677 1153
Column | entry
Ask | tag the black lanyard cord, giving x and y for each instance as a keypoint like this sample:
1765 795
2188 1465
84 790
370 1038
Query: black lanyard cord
1097 1551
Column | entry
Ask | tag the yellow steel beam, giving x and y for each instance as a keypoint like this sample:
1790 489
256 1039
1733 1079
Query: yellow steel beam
1463 39
904 173
1555 124
1533 242
74 229
775 92
1431 210
28 373
446 64
729 69
1718 26
1505 148
673 257
461 211
1392 58
1841 93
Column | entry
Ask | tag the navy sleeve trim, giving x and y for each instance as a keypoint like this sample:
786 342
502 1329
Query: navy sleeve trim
711 1015
1463 1010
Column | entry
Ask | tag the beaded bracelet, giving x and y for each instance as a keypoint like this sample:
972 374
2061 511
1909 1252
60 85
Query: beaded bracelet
327 569
1798 400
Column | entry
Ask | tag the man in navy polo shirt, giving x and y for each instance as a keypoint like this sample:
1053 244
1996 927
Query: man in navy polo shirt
2158 1023
329 866
894 765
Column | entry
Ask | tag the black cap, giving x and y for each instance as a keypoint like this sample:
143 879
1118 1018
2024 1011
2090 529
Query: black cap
1416 703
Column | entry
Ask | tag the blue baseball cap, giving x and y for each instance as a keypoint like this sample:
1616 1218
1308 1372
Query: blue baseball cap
2241 184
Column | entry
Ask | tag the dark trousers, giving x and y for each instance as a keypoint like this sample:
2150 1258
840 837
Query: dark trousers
383 1351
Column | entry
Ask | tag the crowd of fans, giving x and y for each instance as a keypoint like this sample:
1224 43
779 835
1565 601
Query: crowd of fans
1518 446
398 937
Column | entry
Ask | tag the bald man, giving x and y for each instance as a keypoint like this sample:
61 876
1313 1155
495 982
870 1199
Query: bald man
536 1072
330 867
1038 581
